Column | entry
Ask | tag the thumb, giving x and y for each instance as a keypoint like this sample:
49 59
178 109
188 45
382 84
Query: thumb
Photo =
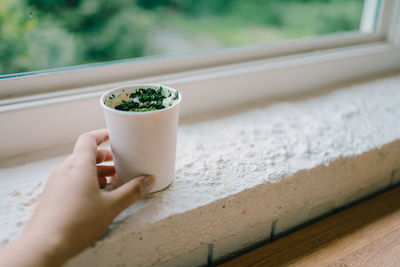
132 191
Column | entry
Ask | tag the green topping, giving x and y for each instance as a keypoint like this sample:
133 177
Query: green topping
176 96
143 100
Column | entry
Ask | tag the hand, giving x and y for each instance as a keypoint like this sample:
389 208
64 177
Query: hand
73 212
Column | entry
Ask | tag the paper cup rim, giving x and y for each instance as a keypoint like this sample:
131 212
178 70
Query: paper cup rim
132 113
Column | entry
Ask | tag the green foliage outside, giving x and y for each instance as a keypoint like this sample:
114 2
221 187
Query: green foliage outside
42 34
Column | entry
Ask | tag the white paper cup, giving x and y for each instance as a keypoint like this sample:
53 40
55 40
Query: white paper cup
142 142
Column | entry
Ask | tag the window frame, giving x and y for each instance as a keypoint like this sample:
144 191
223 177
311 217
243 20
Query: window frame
36 82
55 107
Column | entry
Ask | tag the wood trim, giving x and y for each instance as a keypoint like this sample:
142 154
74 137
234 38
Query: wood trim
366 234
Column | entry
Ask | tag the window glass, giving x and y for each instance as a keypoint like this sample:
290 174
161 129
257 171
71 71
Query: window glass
43 34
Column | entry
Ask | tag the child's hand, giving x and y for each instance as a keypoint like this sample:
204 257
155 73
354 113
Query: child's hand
73 212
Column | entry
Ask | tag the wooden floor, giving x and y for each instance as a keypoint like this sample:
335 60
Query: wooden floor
367 234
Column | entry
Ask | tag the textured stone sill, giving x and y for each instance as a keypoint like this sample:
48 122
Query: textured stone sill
241 179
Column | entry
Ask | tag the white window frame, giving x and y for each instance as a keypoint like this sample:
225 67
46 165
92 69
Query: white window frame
85 75
55 106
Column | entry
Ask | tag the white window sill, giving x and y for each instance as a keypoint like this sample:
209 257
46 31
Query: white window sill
241 178
57 118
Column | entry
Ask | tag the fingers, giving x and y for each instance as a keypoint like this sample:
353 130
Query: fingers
91 140
103 155
105 171
100 135
87 143
130 192
102 181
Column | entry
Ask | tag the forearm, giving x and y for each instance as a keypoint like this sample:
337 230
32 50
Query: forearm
29 252
73 212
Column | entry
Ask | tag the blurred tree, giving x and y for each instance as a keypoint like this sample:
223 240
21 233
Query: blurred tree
50 46
15 22
53 6
41 34
124 36
189 7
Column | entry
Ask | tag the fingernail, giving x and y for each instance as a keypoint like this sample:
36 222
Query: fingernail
149 182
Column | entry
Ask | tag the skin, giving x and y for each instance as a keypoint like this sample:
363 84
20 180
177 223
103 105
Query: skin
73 212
